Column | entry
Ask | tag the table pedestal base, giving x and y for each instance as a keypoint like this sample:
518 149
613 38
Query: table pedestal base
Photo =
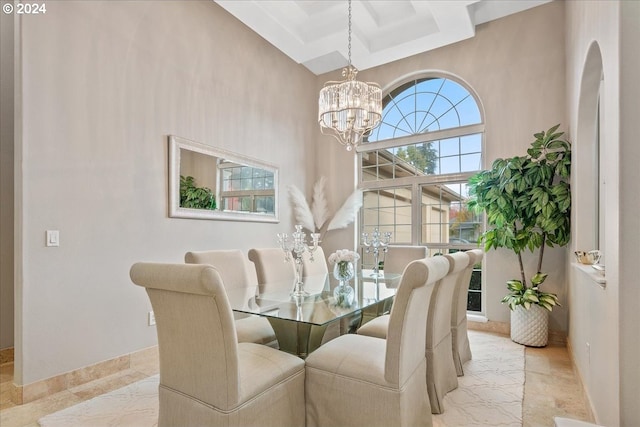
297 338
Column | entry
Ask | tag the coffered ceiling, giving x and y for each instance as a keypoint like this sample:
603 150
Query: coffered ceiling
314 32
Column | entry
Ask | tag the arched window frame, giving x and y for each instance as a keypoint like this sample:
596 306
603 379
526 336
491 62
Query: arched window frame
407 190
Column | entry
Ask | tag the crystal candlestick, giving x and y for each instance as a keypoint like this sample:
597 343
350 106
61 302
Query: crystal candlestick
295 247
378 242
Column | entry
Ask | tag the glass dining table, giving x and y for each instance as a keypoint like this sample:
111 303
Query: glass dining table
301 321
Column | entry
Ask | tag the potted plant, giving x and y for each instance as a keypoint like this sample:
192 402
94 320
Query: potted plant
527 201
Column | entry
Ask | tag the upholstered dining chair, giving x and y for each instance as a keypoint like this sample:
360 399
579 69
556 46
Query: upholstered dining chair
357 380
315 277
206 376
398 257
314 272
271 267
459 335
441 375
236 271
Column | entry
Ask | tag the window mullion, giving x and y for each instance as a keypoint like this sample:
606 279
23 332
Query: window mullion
423 137
416 217
411 180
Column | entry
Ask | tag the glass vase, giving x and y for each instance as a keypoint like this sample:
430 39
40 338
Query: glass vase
344 271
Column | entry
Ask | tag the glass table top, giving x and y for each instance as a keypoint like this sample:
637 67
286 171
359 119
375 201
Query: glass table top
320 307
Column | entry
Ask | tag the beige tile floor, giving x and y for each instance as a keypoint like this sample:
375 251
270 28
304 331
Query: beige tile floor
552 388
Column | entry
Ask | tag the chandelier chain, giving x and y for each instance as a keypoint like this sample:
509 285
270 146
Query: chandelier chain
349 33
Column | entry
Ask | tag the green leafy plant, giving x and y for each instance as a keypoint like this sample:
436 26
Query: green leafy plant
527 201
195 197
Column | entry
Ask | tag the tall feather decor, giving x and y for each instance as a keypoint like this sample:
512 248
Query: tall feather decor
319 205
301 211
347 213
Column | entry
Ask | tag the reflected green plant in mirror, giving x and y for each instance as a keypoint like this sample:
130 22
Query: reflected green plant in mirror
194 197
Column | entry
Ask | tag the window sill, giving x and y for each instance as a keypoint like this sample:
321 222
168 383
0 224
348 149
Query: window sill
595 275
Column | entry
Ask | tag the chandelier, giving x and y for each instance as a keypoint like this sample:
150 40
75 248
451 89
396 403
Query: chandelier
348 109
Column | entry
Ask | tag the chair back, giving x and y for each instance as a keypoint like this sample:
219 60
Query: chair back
459 307
271 266
196 331
232 265
408 319
399 256
316 267
315 273
439 320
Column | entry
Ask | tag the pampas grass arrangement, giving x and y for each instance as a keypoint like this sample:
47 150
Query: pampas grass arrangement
301 211
317 218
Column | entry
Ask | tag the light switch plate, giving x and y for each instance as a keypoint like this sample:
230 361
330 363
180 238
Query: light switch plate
53 238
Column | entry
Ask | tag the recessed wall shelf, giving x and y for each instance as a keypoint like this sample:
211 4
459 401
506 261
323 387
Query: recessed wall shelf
595 275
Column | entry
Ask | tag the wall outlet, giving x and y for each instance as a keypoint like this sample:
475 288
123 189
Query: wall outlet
152 318
588 354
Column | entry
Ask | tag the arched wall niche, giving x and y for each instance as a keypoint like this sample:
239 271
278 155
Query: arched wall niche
588 188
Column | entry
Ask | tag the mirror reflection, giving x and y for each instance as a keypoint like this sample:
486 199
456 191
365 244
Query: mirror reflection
210 183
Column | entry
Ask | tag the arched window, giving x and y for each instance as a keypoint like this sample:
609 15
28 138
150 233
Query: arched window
426 105
415 165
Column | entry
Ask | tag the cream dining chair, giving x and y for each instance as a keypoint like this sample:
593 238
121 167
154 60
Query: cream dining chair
441 375
356 380
236 271
398 257
206 376
459 335
314 271
271 267
315 279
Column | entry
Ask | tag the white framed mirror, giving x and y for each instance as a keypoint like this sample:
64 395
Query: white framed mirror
206 182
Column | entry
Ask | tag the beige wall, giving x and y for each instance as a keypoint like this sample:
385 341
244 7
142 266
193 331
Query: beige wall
602 36
6 181
517 70
629 293
104 84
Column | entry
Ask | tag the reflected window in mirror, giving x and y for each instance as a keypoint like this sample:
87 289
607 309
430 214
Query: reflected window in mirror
246 188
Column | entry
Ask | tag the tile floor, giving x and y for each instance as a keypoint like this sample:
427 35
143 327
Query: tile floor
552 388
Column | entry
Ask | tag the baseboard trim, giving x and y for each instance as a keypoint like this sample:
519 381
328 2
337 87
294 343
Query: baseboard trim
504 328
6 355
585 393
478 318
39 389
501 328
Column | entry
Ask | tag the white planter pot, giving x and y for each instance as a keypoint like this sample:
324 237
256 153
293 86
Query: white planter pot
530 327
